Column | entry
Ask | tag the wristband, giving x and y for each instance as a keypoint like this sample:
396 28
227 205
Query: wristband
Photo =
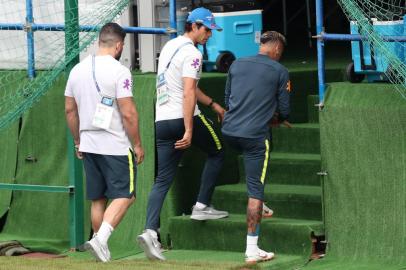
211 103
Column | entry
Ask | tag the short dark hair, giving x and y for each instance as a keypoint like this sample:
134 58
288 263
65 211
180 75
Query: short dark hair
272 37
110 34
188 26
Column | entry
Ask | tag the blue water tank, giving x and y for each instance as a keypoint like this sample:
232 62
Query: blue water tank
240 36
364 57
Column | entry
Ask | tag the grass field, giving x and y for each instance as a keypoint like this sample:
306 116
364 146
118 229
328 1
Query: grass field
18 263
176 259
72 264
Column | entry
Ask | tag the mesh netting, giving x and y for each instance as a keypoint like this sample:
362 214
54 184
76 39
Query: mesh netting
17 92
376 19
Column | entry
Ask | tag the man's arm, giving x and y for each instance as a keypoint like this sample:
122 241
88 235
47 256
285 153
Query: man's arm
208 101
227 91
129 115
284 98
72 119
189 103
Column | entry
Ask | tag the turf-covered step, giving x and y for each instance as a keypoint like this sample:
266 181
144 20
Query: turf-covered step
289 168
312 109
301 138
287 201
287 236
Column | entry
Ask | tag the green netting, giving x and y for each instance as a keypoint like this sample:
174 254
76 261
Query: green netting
17 92
369 16
363 148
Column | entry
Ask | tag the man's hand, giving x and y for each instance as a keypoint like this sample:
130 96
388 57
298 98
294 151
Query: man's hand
79 154
219 110
185 142
139 154
287 124
276 123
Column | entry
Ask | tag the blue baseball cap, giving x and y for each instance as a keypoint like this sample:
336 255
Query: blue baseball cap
203 16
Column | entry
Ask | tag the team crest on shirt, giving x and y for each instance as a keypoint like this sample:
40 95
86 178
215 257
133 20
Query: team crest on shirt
289 87
195 63
127 84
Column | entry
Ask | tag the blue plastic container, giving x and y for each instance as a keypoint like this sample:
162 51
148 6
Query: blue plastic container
369 60
394 28
240 36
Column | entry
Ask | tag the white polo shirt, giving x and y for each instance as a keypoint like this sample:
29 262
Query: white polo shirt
187 63
114 80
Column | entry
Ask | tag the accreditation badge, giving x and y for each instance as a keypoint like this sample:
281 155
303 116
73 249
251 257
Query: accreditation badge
104 113
162 89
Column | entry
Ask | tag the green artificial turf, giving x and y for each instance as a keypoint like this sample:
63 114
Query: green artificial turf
301 138
287 201
289 168
8 161
363 143
282 236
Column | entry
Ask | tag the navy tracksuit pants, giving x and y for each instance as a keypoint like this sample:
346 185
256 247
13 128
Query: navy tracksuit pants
167 132
256 159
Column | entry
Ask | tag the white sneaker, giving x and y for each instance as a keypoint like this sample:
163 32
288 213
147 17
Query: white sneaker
207 213
151 246
259 256
266 211
99 251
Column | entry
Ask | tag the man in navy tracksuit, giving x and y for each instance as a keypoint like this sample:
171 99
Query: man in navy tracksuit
256 88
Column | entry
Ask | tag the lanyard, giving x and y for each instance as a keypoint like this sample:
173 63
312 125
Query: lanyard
94 76
95 81
177 50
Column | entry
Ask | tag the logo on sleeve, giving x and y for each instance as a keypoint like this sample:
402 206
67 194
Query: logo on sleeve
196 63
289 87
127 84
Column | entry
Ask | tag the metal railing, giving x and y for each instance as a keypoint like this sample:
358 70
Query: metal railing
323 36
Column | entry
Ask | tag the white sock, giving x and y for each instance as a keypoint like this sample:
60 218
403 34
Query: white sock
252 244
153 233
200 205
104 232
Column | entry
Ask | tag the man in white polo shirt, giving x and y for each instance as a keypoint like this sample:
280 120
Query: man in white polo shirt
103 120
179 123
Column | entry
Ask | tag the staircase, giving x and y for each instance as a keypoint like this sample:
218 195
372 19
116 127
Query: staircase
292 190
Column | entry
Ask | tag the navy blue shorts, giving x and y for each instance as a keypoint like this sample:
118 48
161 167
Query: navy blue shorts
109 176
256 159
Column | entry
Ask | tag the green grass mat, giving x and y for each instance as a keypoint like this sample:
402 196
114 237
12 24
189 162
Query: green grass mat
336 264
287 236
363 145
8 163
287 201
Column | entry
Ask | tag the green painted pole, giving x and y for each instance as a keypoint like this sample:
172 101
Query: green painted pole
75 171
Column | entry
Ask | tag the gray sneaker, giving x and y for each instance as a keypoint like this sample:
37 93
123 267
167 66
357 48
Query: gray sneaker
99 251
151 246
207 213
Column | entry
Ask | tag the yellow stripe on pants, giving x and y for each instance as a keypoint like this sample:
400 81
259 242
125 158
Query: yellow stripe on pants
213 134
131 168
265 161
